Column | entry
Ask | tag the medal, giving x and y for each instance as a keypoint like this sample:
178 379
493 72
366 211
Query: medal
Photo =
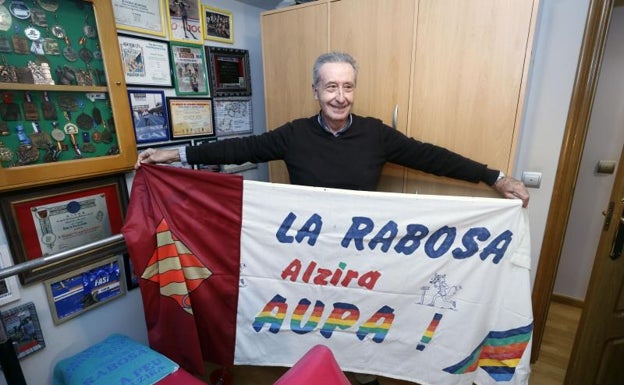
68 103
58 135
9 111
48 107
84 121
41 73
58 32
71 129
26 152
19 9
51 47
48 5
87 146
4 129
31 112
20 44
5 19
97 116
38 17
7 72
6 155
32 33
40 139
70 54
5 45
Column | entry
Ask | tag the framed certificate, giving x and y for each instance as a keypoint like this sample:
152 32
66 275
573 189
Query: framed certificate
218 24
189 69
190 118
75 292
229 71
149 116
144 16
233 116
145 61
57 218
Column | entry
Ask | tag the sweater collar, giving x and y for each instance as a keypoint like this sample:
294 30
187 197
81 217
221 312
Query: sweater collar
339 132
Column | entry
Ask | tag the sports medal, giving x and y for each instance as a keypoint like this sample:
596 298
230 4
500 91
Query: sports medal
40 139
19 9
38 17
48 108
31 112
27 153
71 129
5 19
48 5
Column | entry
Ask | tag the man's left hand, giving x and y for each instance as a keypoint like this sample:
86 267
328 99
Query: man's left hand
512 188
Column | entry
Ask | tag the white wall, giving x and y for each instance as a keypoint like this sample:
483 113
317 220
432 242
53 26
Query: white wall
125 315
558 38
591 197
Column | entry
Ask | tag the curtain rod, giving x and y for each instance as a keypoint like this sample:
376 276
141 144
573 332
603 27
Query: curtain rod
114 245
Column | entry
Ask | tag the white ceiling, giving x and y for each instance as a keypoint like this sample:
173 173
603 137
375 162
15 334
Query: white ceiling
265 4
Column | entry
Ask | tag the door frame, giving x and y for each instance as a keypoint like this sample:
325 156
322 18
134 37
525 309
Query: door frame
579 114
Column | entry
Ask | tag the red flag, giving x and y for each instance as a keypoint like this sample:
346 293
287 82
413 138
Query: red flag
183 233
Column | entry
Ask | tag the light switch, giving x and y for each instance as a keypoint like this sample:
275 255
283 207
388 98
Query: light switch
532 178
605 167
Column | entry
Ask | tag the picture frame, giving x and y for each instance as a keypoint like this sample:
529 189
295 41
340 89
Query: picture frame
149 116
21 324
9 291
145 62
190 117
174 146
143 16
217 24
230 73
184 21
57 218
233 116
73 293
189 69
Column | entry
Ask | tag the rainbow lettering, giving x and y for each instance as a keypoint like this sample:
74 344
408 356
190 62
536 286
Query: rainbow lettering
429 332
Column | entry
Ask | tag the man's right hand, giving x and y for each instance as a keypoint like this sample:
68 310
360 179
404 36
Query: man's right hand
152 155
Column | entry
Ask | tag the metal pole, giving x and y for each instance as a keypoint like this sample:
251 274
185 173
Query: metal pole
111 245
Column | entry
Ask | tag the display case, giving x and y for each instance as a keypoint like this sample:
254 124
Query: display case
65 113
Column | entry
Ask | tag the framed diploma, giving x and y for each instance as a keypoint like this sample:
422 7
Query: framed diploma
218 24
145 62
22 326
149 116
190 118
73 293
229 71
233 116
144 16
57 218
184 21
189 69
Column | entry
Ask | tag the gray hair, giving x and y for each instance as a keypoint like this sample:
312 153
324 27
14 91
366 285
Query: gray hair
332 57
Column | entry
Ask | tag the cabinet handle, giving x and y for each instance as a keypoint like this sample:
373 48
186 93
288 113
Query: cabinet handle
395 116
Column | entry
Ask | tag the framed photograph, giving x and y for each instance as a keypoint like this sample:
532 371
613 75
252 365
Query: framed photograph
9 292
190 118
149 116
176 146
53 219
73 293
21 324
189 69
144 16
229 71
184 21
145 62
233 116
218 24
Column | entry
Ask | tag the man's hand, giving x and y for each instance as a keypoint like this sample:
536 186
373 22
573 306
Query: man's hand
152 155
512 188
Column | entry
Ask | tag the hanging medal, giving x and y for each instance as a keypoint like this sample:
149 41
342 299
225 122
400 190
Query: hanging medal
50 45
5 18
4 129
40 139
48 107
68 104
84 121
9 111
88 30
38 17
27 153
6 155
68 51
48 5
20 43
7 72
31 112
55 151
87 146
19 9
71 129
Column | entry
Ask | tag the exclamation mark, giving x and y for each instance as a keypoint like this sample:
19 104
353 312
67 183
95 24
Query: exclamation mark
429 332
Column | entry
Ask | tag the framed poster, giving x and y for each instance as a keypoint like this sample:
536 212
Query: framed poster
145 61
189 69
184 21
229 71
53 219
144 16
9 291
233 116
149 116
190 118
21 324
218 24
73 293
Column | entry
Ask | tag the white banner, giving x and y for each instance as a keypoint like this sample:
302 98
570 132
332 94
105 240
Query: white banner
429 289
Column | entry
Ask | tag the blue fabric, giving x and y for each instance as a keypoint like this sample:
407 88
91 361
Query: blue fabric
116 360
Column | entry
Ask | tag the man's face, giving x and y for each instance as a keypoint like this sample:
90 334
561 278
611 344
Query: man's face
335 93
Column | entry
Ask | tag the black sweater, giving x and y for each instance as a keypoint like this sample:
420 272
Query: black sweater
352 160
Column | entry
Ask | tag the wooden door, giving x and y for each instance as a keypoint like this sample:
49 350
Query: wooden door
470 72
379 35
598 351
292 39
